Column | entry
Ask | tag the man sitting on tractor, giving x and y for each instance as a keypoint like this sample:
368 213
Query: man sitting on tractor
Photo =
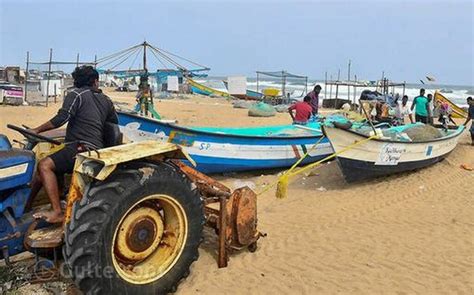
87 110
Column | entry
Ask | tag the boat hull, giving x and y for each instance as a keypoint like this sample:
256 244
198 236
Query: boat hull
378 158
216 152
458 112
199 88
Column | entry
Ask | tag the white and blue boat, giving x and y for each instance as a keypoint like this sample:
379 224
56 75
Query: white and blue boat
219 150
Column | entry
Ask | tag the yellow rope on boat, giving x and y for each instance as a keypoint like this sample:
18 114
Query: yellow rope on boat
282 185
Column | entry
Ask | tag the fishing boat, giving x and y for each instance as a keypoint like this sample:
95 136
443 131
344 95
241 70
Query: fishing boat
202 89
249 95
458 112
384 156
219 150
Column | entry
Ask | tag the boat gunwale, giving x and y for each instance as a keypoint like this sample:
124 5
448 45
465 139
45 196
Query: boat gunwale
457 133
209 133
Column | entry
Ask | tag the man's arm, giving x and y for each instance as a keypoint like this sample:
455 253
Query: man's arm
467 119
413 104
290 111
70 105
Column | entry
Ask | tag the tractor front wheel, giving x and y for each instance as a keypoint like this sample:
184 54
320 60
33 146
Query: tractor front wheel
137 232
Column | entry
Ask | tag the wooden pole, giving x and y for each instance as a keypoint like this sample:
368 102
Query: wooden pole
349 79
330 89
355 88
144 57
77 60
257 81
49 74
283 82
26 75
325 84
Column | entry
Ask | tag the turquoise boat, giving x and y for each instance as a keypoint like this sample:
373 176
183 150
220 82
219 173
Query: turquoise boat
218 150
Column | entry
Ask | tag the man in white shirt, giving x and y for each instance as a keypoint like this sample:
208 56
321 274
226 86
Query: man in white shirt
403 110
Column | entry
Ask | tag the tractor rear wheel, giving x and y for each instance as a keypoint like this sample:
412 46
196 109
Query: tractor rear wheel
137 232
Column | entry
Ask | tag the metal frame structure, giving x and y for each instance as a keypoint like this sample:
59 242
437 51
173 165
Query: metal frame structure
284 75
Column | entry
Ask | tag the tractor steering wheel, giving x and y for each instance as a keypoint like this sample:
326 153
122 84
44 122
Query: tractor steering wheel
28 134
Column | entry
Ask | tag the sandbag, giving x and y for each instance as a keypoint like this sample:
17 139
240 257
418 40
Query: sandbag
261 109
242 104
282 108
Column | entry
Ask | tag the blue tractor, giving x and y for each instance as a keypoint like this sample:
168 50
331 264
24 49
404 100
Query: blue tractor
134 214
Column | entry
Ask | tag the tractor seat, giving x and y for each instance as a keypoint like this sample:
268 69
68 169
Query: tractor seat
112 135
16 168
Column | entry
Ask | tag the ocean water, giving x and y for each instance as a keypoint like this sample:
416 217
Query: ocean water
456 93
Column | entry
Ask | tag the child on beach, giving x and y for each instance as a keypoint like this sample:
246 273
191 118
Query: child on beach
303 111
470 116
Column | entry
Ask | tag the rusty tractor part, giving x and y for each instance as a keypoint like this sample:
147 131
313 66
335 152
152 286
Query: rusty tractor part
233 216
44 242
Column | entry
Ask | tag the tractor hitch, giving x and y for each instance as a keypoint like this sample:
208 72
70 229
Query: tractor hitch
233 215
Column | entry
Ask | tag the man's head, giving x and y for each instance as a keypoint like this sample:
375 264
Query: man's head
430 97
405 99
317 89
422 92
307 99
85 76
470 101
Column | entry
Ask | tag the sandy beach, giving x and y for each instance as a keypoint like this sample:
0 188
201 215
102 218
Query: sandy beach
405 234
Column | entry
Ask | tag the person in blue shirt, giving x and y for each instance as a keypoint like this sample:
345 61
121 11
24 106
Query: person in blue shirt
422 107
470 116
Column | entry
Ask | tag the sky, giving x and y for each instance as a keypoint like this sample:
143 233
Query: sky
406 39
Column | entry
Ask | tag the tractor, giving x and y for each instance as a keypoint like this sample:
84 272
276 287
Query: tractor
134 214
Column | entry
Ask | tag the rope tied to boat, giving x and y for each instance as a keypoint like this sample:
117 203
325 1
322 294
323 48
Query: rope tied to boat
294 165
283 180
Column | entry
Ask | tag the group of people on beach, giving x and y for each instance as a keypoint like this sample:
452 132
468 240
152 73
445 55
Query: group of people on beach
425 109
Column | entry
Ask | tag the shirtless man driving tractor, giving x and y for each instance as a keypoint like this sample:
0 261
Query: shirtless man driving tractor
86 109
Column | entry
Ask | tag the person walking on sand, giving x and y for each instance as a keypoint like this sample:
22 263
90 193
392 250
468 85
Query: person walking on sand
314 95
470 116
303 111
86 110
422 107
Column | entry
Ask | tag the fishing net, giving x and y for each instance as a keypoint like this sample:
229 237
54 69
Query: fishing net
261 109
282 108
423 133
242 104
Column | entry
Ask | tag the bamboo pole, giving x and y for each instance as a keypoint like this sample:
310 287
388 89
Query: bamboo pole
348 81
26 75
330 88
325 84
49 74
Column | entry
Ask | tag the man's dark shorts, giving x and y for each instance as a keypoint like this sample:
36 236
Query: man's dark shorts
64 159
422 119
